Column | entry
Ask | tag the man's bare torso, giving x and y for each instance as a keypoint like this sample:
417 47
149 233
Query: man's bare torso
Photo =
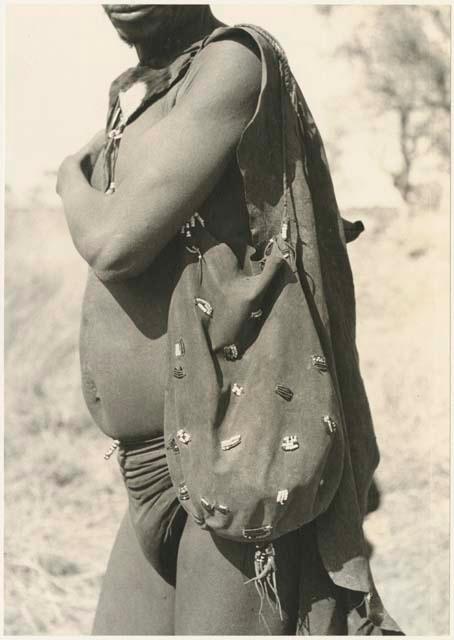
123 348
123 340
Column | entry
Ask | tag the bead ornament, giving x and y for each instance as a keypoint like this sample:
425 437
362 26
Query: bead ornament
237 389
290 443
111 450
172 445
230 443
204 306
258 533
207 505
222 509
187 227
183 492
282 496
231 352
331 425
183 436
284 392
179 348
178 372
319 362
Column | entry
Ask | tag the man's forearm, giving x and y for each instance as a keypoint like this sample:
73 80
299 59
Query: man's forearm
170 171
84 210
120 234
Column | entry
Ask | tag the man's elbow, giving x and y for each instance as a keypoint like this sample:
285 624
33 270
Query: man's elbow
109 274
116 265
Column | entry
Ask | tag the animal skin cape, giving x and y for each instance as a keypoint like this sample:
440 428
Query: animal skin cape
286 182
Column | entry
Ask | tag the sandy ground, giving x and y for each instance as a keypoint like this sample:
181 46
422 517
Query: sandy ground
64 502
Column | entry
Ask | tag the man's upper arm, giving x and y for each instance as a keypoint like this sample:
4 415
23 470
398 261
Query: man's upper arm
179 160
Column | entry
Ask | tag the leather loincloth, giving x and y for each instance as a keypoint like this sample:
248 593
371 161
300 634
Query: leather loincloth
156 514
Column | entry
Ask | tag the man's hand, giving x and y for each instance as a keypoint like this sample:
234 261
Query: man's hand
84 159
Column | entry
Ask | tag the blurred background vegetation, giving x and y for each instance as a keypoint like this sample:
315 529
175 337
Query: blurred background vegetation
390 111
403 57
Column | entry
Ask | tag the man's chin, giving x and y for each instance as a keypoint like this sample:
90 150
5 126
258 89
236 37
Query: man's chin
131 26
139 23
126 39
134 33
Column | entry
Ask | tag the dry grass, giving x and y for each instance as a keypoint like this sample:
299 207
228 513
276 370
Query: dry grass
63 502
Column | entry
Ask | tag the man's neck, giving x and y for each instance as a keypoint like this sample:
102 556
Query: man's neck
161 52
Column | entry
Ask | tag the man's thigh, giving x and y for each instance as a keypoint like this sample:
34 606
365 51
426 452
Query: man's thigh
134 599
212 597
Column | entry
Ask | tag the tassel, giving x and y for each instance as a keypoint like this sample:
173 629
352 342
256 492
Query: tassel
265 577
111 149
195 250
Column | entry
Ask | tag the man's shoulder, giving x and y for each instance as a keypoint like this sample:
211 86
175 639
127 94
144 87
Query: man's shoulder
243 55
233 41
233 52
252 37
229 63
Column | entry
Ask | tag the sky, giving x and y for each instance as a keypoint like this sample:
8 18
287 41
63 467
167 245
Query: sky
61 59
